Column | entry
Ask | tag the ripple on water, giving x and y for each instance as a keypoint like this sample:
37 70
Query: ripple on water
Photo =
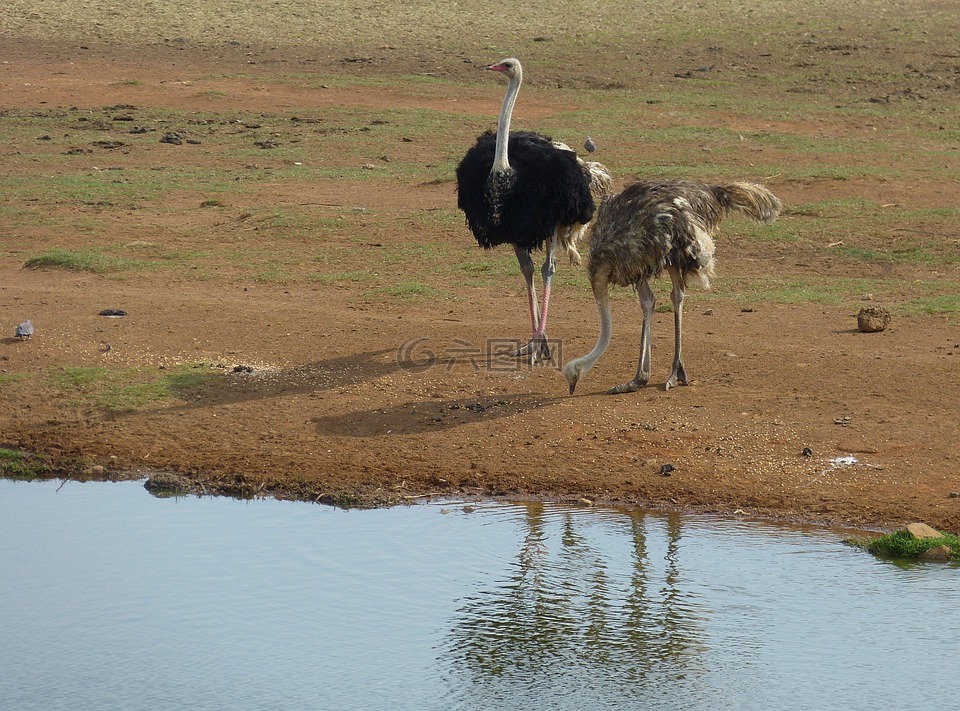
114 599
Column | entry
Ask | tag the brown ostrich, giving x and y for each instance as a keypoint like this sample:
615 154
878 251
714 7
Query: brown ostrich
654 226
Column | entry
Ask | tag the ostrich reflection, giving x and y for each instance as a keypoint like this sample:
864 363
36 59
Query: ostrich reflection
584 601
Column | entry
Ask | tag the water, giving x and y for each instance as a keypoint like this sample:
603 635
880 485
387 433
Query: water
112 599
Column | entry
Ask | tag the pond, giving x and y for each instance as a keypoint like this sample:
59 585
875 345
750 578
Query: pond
113 599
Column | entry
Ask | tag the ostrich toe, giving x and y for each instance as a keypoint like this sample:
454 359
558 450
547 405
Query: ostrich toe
630 387
677 377
536 348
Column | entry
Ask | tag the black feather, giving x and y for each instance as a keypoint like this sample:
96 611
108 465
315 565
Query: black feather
546 187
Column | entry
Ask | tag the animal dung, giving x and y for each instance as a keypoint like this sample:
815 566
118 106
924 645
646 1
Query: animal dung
873 319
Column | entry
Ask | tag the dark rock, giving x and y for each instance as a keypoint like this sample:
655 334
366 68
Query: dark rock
165 484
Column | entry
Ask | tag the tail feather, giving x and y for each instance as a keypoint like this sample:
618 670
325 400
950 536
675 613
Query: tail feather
601 187
750 200
601 181
567 239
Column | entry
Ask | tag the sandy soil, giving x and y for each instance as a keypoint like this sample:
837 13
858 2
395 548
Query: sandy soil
349 398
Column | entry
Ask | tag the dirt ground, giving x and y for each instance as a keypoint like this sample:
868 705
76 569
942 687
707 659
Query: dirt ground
342 397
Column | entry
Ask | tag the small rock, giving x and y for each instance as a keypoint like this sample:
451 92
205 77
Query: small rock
666 469
113 312
807 452
165 484
922 530
172 138
873 319
937 554
585 502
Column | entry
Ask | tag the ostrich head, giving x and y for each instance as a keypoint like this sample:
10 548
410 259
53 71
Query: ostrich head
574 370
510 67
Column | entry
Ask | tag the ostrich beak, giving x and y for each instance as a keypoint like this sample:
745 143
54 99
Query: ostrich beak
496 68
573 385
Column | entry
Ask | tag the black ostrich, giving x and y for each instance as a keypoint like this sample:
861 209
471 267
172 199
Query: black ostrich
658 226
531 192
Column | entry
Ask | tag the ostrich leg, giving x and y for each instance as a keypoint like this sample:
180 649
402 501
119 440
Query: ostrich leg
525 259
647 302
678 374
549 268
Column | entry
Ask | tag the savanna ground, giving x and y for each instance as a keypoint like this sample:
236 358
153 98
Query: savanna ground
308 316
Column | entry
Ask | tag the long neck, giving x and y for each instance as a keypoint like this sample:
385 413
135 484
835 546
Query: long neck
501 163
606 331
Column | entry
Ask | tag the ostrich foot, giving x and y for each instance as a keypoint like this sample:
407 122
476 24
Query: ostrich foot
630 387
677 377
537 349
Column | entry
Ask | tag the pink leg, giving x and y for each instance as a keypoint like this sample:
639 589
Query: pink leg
539 345
525 259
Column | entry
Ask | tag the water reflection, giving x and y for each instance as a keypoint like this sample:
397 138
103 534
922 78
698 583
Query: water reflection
570 614
114 599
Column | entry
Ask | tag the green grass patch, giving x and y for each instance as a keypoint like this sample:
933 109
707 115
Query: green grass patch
15 464
128 389
93 260
944 304
331 278
793 290
8 378
903 545
406 290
